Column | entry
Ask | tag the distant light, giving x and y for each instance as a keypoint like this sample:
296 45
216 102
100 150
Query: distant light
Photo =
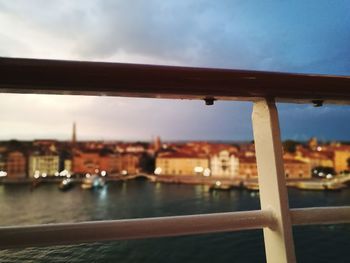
206 172
96 171
198 169
3 173
319 148
57 173
329 176
36 174
158 171
217 183
69 175
87 175
103 173
124 172
44 175
64 173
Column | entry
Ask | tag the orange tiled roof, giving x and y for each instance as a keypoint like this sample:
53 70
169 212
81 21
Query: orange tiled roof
181 155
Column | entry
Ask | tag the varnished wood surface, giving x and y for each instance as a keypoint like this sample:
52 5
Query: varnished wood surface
18 75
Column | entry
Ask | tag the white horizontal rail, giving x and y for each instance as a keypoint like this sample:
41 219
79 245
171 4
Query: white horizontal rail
74 233
320 215
56 234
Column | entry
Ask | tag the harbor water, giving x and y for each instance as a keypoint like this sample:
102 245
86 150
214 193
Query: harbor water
140 198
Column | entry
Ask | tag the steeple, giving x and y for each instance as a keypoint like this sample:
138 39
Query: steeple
157 144
74 135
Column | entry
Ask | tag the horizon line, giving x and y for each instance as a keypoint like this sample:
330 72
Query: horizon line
168 140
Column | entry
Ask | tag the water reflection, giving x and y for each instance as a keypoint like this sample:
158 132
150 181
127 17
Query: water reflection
158 187
124 187
20 206
103 192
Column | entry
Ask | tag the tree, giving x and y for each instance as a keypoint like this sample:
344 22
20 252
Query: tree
147 163
290 146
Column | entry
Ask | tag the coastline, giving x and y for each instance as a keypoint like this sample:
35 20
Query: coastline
218 183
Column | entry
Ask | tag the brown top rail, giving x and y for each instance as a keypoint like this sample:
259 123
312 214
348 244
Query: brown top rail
19 75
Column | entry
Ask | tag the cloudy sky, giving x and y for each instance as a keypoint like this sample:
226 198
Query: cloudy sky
291 36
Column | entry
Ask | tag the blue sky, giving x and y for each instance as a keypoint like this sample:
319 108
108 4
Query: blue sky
288 36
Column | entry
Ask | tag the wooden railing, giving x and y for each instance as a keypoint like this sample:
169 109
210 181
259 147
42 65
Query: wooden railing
129 80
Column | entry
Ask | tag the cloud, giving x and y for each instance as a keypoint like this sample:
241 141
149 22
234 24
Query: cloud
276 35
112 118
289 36
300 122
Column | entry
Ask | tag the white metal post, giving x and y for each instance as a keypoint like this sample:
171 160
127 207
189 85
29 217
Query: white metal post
279 245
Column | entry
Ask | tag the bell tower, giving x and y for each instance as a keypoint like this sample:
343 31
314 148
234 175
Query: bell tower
74 134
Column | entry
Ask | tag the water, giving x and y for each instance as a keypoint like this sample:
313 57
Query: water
135 199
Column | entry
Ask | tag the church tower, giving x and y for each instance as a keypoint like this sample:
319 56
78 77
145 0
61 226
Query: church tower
74 135
157 144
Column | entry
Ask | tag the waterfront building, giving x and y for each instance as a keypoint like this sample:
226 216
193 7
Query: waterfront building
324 158
224 164
247 167
67 165
16 164
292 168
124 163
205 148
2 162
2 148
113 163
297 169
247 149
46 164
86 162
178 163
130 163
341 158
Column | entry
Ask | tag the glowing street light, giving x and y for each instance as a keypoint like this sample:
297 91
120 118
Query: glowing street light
198 169
206 172
158 171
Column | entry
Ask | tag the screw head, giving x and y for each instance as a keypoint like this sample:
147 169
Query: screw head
209 101
317 103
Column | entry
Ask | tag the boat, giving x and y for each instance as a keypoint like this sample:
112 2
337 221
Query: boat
333 186
66 184
220 186
320 185
92 182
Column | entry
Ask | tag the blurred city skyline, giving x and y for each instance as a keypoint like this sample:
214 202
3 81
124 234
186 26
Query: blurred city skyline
136 119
